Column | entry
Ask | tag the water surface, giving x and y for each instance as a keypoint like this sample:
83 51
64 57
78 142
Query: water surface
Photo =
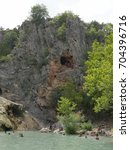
43 141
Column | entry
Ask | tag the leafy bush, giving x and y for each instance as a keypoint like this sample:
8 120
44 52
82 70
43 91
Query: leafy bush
70 123
65 106
97 31
71 91
8 42
60 33
87 125
60 23
61 18
67 116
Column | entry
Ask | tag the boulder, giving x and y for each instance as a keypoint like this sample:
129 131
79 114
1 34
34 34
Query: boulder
45 130
7 111
13 117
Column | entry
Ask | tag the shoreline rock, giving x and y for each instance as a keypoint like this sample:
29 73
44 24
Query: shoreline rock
13 117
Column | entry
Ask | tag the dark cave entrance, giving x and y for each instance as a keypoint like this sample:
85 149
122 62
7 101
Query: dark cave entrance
67 61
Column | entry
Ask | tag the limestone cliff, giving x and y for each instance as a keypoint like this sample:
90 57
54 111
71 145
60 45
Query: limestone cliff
41 62
13 117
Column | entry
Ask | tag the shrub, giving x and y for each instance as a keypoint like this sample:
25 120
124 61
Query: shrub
66 106
60 33
61 18
68 117
60 23
87 125
70 123
71 91
8 42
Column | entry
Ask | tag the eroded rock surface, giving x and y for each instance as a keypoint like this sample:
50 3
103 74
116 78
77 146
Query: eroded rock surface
13 117
40 63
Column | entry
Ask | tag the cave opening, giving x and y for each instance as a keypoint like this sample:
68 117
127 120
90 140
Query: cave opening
67 61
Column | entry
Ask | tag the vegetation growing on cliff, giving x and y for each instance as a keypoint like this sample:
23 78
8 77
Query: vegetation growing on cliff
70 91
60 22
96 31
97 84
8 41
73 99
38 14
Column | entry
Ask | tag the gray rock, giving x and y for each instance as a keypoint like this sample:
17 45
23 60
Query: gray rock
36 68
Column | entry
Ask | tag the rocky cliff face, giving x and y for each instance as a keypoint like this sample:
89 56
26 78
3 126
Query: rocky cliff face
40 63
13 117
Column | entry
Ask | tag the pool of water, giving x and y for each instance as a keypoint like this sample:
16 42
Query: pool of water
43 141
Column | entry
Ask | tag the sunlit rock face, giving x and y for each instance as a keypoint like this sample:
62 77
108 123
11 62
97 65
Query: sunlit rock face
14 117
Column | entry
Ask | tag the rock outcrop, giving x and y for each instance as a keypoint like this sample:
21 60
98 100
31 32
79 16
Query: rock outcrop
13 117
40 63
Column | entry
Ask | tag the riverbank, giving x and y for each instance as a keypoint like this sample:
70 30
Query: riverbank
100 129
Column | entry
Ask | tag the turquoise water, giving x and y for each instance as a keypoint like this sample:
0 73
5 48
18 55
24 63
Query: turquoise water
42 141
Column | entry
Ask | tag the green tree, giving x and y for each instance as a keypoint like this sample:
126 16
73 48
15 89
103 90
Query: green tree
8 42
39 13
72 92
65 106
67 116
99 74
71 123
97 31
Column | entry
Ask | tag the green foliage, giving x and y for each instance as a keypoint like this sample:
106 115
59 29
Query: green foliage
69 91
38 14
72 92
67 116
99 74
8 42
60 33
6 58
65 106
97 31
61 18
60 22
87 125
70 123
